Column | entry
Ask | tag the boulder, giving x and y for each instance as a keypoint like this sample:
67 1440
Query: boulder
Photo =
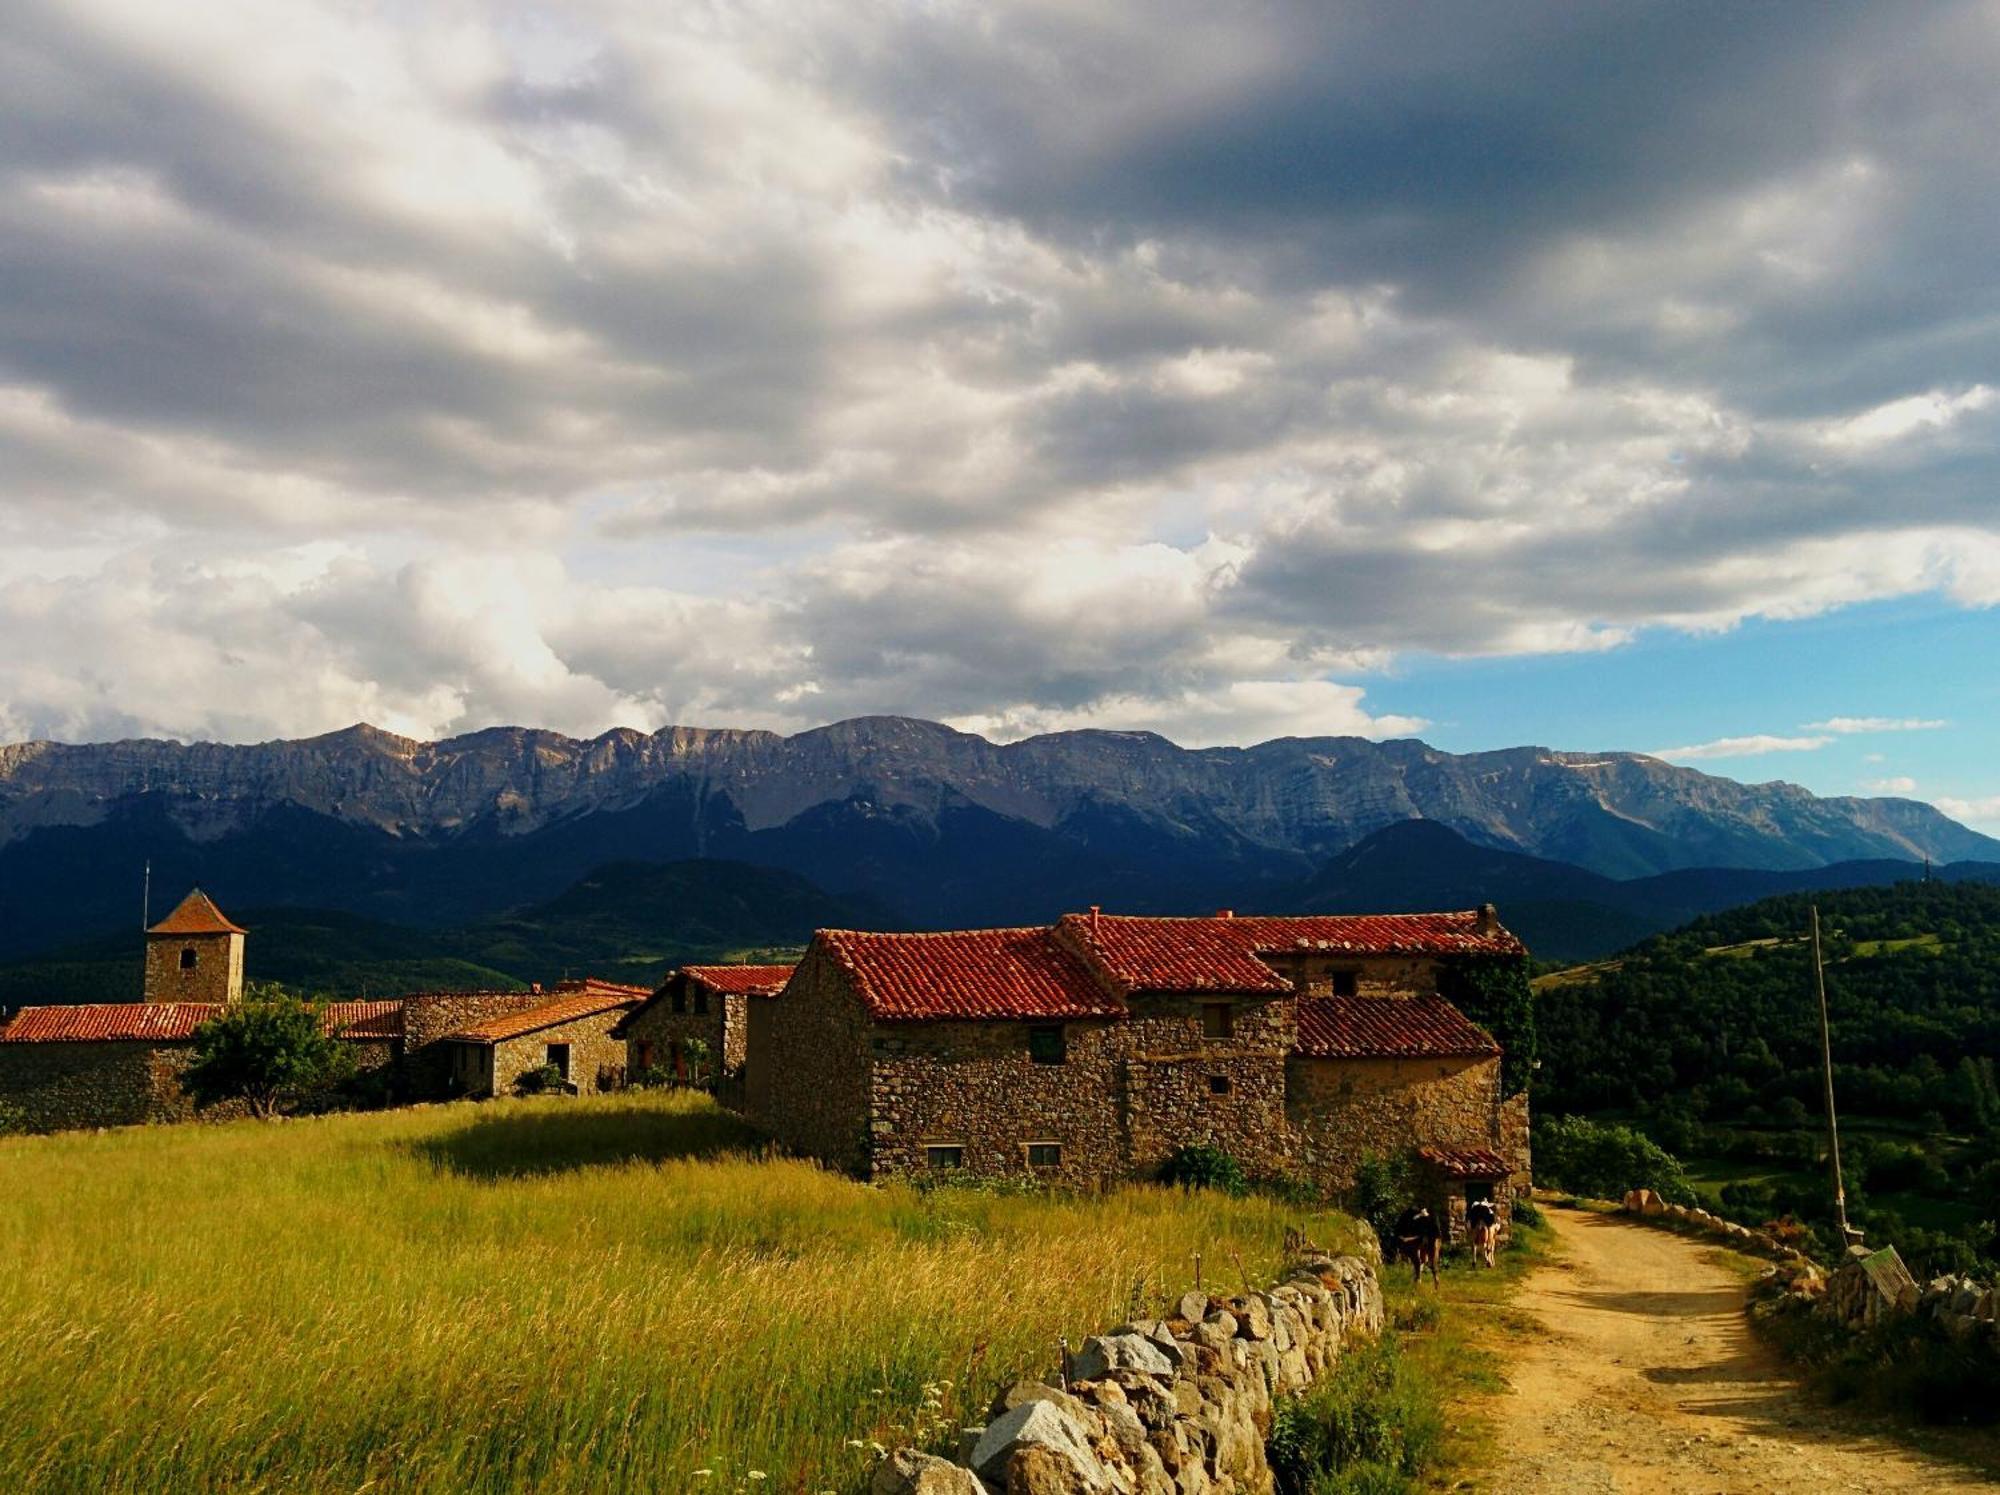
1253 1316
907 1472
1042 1425
1103 1353
1193 1307
1022 1392
1034 1470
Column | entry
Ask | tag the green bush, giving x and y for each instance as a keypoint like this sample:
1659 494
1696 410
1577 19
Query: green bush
1383 1188
1374 1424
547 1080
1603 1160
652 1077
1527 1214
1202 1165
265 1050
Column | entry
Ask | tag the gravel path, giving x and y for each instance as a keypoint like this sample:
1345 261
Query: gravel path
1646 1377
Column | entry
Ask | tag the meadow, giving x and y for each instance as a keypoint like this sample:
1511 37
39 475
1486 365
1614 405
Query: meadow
612 1293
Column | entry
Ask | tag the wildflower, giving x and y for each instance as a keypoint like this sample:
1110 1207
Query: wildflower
856 1443
758 1474
703 1473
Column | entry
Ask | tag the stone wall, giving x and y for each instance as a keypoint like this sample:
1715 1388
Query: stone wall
1312 973
429 1016
56 1086
1343 1109
1175 1406
216 976
721 1028
807 1082
596 1059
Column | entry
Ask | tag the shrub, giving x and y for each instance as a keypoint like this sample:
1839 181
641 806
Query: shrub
1203 1165
266 1049
1603 1160
1374 1423
652 1077
12 1119
547 1080
1527 1214
1383 1189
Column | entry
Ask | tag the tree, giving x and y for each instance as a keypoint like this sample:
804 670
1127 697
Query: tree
263 1049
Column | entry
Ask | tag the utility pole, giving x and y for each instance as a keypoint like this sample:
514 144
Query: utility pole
1848 1234
146 898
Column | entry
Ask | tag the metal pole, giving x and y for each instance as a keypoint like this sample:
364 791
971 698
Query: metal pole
1826 1064
146 899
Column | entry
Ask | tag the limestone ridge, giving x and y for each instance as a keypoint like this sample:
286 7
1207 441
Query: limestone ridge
1619 814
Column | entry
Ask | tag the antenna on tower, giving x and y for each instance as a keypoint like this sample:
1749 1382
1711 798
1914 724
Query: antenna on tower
146 898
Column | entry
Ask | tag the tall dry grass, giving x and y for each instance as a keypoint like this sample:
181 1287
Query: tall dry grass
607 1294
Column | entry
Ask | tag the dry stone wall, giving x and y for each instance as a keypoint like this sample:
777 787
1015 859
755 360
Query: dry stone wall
1174 1406
1344 1109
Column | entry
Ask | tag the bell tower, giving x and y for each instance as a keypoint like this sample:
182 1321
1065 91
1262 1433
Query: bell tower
194 954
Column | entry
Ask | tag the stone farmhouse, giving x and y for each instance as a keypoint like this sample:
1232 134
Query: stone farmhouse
119 1063
708 1005
1092 1049
573 1035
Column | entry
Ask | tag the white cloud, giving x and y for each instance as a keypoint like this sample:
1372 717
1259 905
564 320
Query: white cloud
1741 747
1975 812
1899 785
1847 726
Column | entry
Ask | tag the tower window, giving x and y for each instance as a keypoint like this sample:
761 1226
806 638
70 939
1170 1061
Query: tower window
188 958
1216 1021
1045 1045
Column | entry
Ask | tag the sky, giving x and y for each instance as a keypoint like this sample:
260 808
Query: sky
1610 377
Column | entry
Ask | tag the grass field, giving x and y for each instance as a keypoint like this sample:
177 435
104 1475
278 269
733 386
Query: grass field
607 1294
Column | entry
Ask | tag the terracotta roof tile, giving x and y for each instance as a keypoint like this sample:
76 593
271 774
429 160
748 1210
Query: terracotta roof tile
1221 954
748 981
197 914
1466 1162
969 973
1388 1027
175 1022
586 1002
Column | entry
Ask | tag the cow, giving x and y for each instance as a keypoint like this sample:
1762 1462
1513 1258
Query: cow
1419 1241
1483 1224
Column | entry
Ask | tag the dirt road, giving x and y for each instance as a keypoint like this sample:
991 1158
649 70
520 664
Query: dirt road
1643 1376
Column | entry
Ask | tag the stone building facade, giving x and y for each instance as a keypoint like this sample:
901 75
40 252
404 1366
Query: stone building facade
195 954
705 1004
573 1030
1094 1049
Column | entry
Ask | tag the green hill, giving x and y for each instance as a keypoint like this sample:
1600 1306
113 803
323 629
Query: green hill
1708 1038
628 921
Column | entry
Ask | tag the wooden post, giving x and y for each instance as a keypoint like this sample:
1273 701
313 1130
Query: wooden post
1848 1234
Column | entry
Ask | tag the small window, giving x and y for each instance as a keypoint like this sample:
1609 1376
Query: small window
701 999
1346 983
1044 1154
1215 1020
559 1057
644 1053
680 999
952 1156
1046 1045
1218 1084
188 958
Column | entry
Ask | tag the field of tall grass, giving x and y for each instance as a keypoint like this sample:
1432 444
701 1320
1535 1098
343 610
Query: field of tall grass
612 1293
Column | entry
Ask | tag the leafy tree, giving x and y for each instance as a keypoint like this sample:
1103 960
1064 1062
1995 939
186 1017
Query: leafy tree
1493 991
1590 1157
263 1050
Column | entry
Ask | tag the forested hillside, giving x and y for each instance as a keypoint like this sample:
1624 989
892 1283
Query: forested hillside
1708 1038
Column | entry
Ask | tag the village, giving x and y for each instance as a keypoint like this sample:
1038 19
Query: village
1080 1054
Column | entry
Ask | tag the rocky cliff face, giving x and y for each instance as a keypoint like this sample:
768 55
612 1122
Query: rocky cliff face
1617 813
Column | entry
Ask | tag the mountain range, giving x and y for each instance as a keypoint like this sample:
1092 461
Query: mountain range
917 823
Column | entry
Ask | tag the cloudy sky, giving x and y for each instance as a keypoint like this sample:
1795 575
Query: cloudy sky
1612 376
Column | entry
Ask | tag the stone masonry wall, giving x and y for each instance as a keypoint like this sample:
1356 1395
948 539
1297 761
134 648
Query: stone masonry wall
721 1028
1311 973
1126 1094
56 1086
596 1059
1341 1109
429 1016
807 1081
1175 1406
216 976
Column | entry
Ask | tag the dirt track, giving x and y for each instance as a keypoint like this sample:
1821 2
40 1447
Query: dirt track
1645 1377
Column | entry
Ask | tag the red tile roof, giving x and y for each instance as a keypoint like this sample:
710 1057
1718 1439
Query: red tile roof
197 914
747 981
175 1022
968 973
1388 1028
1221 954
588 1000
1466 1162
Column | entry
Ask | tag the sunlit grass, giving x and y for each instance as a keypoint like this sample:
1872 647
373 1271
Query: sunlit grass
599 1294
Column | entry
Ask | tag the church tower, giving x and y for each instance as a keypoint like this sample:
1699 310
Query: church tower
194 954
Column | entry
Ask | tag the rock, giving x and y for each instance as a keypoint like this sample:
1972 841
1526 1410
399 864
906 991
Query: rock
1653 1204
1023 1392
1043 1425
907 1472
1253 1316
1103 1353
1035 1470
1193 1307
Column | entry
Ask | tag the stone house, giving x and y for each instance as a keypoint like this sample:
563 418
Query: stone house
709 1004
194 954
572 1029
1092 1049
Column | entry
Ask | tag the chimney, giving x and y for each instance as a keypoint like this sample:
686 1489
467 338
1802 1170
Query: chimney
1489 919
1225 913
1095 910
534 988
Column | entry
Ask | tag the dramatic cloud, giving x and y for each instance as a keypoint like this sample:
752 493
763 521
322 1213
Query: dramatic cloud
1023 365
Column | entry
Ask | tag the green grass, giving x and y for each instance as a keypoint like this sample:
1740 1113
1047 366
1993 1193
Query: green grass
601 1294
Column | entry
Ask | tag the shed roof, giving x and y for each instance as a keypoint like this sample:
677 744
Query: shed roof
175 1022
588 1001
1466 1162
1222 953
196 914
969 973
1389 1028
